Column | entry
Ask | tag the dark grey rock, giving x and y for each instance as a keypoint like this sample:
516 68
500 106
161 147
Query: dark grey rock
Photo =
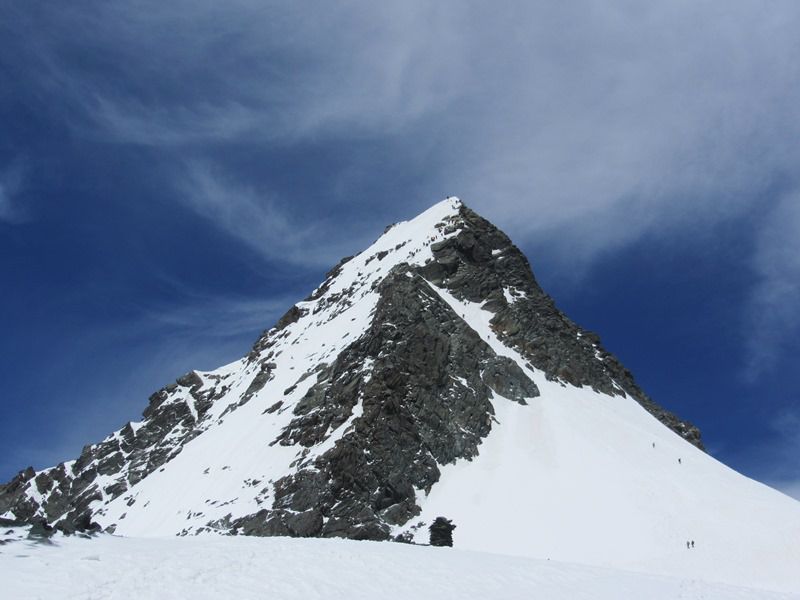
40 529
190 380
259 381
505 377
441 532
478 263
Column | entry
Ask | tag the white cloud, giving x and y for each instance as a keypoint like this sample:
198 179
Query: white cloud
259 219
610 120
201 72
588 125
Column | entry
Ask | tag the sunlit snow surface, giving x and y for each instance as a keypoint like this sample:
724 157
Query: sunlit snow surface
580 476
217 568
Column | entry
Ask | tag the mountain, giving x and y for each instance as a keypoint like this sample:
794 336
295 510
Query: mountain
428 375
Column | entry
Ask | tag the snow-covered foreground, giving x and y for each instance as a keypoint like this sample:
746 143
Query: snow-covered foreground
276 568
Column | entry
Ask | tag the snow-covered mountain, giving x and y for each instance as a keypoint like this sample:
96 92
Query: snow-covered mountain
429 375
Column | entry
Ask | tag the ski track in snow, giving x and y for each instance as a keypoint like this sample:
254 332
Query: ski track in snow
115 568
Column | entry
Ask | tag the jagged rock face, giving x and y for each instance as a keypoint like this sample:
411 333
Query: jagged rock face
67 492
424 401
405 386
480 264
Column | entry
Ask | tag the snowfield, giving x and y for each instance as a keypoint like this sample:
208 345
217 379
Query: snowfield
217 568
584 477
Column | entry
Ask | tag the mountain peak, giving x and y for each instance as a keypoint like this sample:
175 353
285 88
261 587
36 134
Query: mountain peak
343 417
429 375
406 343
406 241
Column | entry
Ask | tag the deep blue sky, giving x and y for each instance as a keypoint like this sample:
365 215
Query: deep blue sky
172 178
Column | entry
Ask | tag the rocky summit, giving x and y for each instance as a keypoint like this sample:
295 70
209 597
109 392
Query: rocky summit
342 417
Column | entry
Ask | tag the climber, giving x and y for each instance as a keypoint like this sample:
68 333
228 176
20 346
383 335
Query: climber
692 543
687 545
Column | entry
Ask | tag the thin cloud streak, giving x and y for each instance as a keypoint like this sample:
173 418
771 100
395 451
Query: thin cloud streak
259 219
210 317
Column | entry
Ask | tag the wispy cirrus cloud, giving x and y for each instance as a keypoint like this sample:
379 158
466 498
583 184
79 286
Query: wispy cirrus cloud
586 126
572 116
199 72
259 218
214 317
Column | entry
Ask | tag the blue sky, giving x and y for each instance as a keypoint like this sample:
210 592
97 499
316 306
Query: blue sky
174 175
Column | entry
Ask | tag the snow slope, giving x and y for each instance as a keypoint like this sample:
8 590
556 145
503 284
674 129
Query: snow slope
585 477
307 569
